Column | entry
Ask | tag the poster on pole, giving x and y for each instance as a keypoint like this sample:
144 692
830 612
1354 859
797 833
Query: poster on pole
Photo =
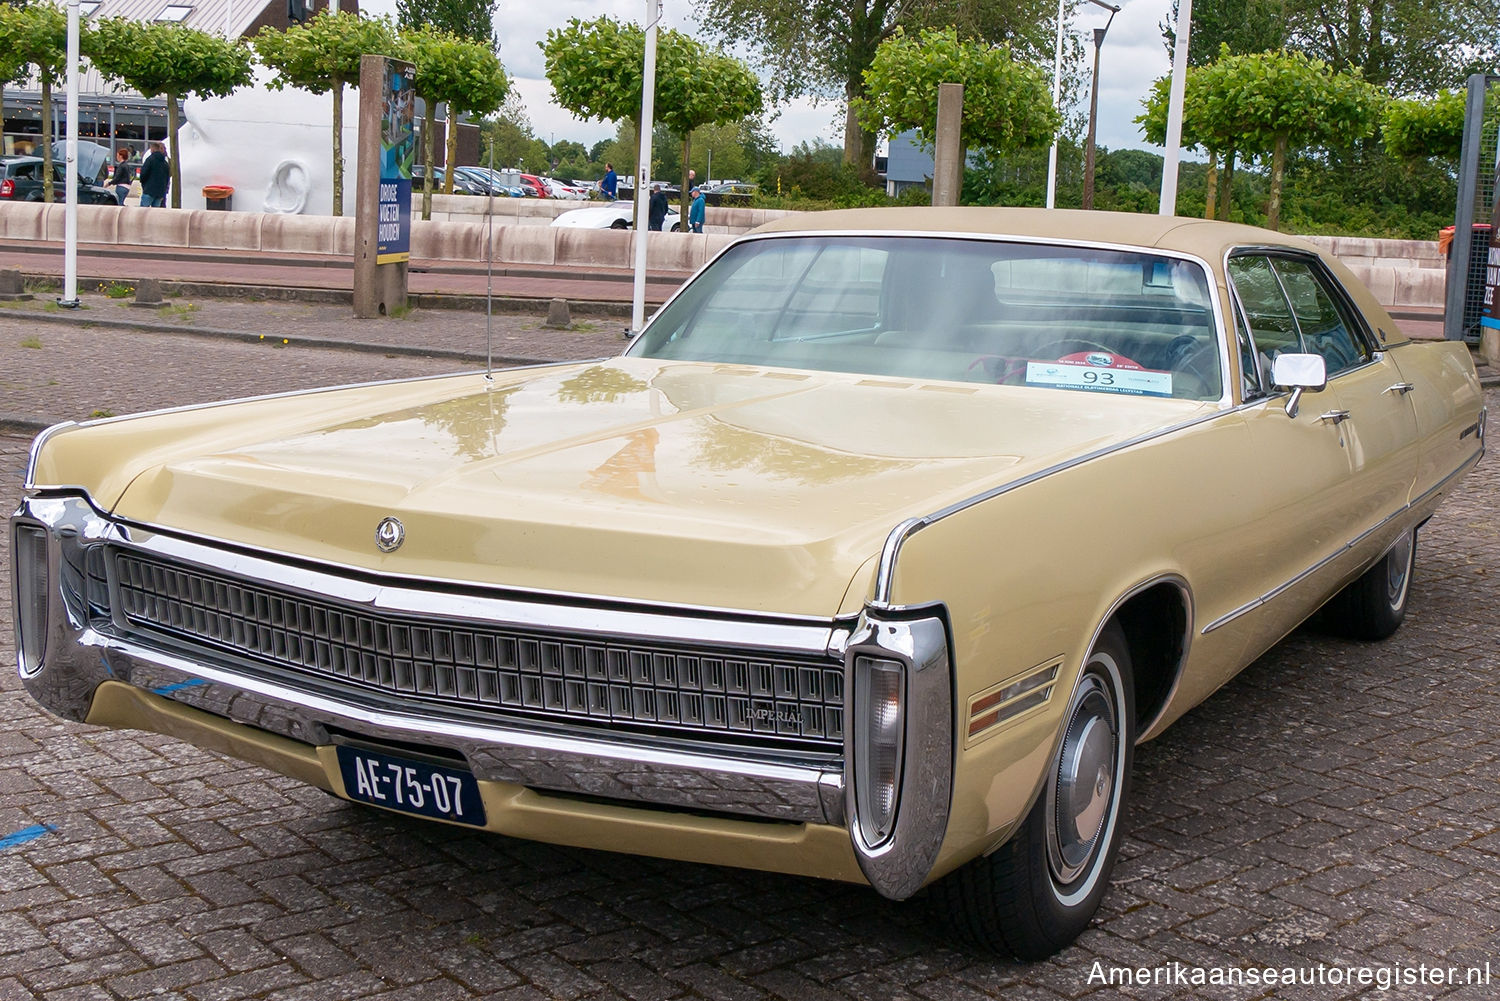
397 147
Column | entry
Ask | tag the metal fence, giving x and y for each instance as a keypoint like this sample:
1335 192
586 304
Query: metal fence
1472 232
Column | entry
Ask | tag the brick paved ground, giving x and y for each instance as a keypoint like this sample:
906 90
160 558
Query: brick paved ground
1338 803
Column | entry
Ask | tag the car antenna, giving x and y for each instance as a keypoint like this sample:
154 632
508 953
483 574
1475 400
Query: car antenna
489 271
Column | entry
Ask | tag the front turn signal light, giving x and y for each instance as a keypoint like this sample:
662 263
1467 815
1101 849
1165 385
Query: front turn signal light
879 736
31 596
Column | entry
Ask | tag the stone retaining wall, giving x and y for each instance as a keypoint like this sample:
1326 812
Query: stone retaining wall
1401 273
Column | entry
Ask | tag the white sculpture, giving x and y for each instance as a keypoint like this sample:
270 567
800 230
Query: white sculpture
274 147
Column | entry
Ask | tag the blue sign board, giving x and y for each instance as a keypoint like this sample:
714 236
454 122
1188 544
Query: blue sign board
397 148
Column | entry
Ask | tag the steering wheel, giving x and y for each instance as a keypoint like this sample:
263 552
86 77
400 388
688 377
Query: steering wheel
1189 359
1064 346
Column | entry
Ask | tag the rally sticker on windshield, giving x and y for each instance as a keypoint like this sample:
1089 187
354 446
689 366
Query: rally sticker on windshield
1100 371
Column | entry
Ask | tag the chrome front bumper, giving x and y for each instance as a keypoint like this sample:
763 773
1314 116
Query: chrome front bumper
85 641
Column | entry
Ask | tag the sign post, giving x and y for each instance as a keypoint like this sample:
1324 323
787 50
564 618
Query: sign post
382 203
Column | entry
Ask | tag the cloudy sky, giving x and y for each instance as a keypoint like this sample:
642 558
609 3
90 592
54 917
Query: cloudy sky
1133 56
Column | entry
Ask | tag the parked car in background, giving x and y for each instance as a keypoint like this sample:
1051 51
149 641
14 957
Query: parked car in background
872 558
561 189
614 215
535 187
730 193
483 180
21 180
462 185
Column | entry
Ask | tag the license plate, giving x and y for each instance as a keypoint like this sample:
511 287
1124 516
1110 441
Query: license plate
411 786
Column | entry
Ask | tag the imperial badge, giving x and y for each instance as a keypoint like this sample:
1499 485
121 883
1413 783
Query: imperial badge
389 535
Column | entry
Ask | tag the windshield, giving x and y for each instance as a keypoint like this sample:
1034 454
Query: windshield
1068 318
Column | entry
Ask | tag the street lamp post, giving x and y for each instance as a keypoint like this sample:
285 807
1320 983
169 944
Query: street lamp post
1057 90
1088 154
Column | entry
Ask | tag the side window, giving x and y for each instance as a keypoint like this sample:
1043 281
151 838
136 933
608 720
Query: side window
1326 329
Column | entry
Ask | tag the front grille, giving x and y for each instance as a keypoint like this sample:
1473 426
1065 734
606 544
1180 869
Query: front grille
707 693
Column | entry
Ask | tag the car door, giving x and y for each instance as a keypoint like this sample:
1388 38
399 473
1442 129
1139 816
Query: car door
1335 473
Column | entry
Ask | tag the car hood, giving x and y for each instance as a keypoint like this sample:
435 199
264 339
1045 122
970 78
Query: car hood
688 483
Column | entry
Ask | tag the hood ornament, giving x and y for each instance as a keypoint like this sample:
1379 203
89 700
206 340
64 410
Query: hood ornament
389 535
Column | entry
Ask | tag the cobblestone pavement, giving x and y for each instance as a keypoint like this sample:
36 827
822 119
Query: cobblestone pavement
1336 805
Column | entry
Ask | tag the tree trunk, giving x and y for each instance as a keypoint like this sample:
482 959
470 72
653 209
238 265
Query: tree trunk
1226 183
338 147
174 122
859 144
427 126
1278 171
685 194
1210 203
450 149
46 138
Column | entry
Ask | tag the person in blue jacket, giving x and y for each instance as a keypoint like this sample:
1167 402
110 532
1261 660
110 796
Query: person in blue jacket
697 210
609 186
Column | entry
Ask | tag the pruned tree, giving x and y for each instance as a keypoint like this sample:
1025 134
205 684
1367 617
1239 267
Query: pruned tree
1240 26
702 87
595 69
1007 103
466 75
36 36
1269 100
1196 134
322 55
170 61
821 48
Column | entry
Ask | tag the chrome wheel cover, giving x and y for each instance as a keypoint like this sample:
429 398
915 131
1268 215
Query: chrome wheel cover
1398 571
1083 791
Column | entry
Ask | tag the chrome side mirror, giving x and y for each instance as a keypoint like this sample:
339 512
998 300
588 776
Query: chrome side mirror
1300 373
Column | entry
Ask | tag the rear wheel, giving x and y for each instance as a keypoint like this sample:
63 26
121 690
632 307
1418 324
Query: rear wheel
619 224
1374 605
1038 892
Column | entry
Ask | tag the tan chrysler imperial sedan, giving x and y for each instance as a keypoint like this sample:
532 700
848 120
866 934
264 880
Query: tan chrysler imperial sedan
872 558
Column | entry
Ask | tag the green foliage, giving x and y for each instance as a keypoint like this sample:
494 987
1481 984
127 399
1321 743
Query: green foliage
1240 25
1415 128
473 20
595 68
816 173
36 35
159 59
322 54
1007 103
463 74
1412 46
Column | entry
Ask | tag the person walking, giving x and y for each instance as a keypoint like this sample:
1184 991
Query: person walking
656 210
609 186
697 211
121 176
156 177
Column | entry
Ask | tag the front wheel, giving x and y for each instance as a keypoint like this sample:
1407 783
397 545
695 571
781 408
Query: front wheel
1373 606
1035 894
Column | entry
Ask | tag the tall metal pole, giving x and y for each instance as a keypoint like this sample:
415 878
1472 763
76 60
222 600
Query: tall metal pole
1056 96
1174 109
1088 152
70 209
643 170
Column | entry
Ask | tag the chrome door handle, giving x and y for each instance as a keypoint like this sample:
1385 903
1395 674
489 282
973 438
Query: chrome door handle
1401 388
1334 416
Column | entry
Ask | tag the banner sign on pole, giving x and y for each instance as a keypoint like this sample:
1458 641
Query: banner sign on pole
397 148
